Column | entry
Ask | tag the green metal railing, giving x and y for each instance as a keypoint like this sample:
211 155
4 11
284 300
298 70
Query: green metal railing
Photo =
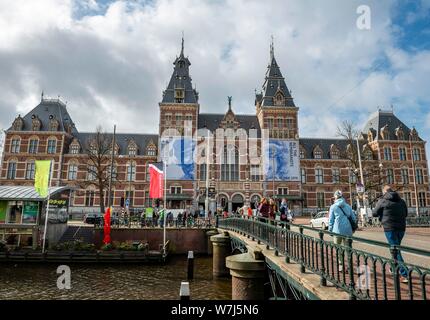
364 275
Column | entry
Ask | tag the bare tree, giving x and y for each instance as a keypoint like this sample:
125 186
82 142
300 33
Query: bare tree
98 150
372 173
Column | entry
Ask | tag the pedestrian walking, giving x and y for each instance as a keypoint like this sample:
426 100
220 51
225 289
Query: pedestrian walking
283 209
392 211
341 218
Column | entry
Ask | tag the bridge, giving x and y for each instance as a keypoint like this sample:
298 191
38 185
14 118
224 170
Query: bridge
277 260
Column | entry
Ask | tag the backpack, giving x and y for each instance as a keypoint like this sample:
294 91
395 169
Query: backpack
354 224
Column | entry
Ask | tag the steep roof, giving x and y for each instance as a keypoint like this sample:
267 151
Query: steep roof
309 145
46 109
122 139
212 121
380 119
274 83
181 79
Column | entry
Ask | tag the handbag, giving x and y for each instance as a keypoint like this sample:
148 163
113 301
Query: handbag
354 225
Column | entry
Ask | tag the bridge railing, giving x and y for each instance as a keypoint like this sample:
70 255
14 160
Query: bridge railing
363 274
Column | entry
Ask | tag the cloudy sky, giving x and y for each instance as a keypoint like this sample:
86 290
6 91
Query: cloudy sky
110 60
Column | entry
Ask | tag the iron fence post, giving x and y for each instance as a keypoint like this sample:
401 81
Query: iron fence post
302 251
323 275
394 252
350 270
217 221
276 241
287 252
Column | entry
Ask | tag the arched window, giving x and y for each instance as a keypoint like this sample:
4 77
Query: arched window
72 173
131 171
387 154
11 169
319 175
33 145
230 165
29 170
15 145
52 145
91 172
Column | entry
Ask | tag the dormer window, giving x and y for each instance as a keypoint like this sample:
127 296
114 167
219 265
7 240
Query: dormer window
74 147
35 123
302 153
279 99
53 123
414 134
132 149
18 124
179 95
318 153
334 152
385 132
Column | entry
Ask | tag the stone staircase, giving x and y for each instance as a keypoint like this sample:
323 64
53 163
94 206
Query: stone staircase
77 233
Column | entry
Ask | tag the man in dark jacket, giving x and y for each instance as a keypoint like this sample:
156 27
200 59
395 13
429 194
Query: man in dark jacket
392 211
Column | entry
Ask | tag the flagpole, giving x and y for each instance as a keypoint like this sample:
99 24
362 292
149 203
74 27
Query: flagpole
165 208
47 207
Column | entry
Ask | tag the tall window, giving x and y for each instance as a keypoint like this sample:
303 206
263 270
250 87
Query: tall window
417 154
336 175
131 171
390 176
32 147
92 172
405 175
280 122
255 172
52 145
148 175
114 172
387 154
419 176
303 175
270 123
320 200
29 171
230 166
352 177
408 198
14 148
319 176
202 171
11 170
290 123
305 200
422 199
73 171
402 154
89 198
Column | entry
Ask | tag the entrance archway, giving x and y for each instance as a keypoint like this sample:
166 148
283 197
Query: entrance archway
237 202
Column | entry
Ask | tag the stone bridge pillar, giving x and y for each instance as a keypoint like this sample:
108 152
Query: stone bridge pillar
247 271
209 235
221 249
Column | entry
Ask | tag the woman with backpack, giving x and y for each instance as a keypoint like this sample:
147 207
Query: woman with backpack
342 222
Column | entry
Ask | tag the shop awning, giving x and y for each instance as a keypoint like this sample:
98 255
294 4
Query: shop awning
26 193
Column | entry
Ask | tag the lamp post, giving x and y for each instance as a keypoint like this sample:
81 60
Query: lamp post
415 178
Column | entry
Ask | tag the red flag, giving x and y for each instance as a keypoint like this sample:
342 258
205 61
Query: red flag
107 238
156 182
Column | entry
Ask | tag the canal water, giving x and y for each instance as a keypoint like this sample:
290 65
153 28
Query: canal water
118 282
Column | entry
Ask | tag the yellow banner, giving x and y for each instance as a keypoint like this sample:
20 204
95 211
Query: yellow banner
41 177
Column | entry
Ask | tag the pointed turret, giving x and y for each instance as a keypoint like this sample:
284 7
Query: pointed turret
180 89
275 92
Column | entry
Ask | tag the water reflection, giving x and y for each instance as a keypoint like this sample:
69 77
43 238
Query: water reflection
25 281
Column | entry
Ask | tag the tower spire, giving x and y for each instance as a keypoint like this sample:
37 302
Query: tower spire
272 48
182 45
229 102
